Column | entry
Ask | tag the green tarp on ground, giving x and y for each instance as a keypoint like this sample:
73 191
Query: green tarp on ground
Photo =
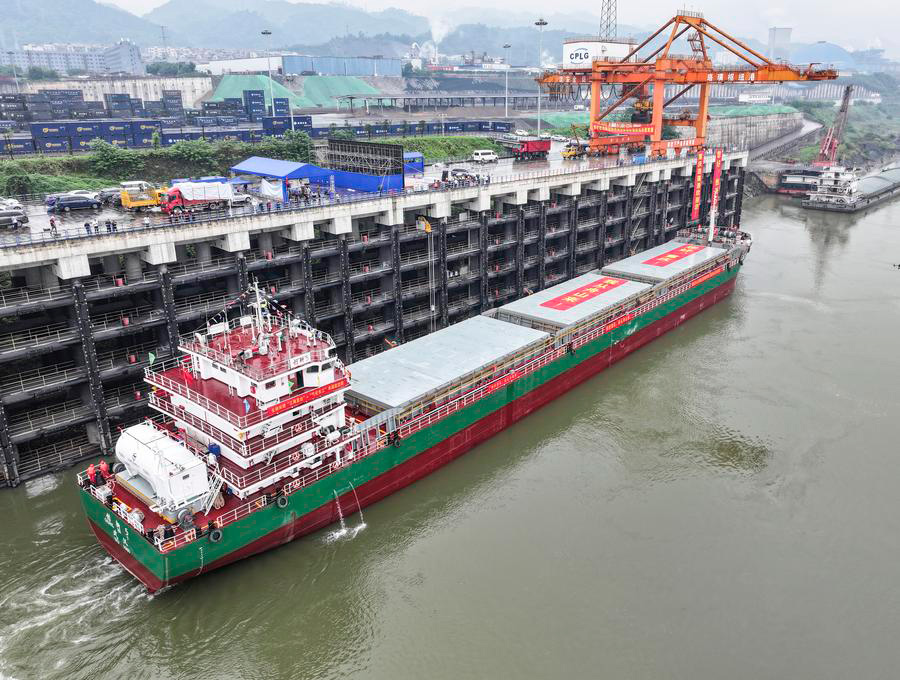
234 86
321 91
317 91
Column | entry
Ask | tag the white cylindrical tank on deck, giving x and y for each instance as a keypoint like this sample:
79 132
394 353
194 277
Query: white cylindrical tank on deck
178 477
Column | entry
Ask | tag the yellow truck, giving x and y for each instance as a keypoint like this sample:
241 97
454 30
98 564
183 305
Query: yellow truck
139 196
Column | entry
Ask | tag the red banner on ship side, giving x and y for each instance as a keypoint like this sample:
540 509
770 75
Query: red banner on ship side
317 393
698 186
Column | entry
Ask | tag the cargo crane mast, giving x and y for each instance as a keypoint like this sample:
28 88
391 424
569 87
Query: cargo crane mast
828 150
644 77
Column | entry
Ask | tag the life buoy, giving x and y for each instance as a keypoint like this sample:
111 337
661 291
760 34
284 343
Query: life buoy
295 457
282 502
215 535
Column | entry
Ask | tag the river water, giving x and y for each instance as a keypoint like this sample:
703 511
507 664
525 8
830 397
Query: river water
722 504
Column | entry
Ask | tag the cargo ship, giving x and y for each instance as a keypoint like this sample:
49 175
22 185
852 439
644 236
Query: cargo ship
263 435
841 189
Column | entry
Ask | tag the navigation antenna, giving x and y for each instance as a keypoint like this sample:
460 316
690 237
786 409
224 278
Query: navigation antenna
608 19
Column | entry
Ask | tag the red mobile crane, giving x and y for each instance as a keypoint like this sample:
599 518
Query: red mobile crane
828 151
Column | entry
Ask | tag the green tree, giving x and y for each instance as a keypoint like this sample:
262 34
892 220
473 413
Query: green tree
155 139
343 134
111 161
168 68
38 73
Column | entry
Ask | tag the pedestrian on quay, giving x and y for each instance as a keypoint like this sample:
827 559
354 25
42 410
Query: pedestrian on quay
97 227
108 226
115 226
146 221
52 223
87 228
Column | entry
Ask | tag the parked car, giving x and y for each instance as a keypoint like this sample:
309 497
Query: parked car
110 195
12 217
68 202
559 138
578 107
484 156
10 204
522 133
84 192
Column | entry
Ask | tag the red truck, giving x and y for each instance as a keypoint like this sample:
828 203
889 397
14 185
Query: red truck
200 195
528 148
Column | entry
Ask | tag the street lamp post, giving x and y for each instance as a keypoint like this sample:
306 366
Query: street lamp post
540 23
268 33
506 98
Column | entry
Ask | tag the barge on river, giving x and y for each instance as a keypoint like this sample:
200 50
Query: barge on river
263 435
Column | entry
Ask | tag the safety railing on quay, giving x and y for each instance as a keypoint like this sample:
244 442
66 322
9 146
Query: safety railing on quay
194 266
35 337
133 355
368 267
78 234
22 296
41 377
200 303
369 296
126 395
117 281
55 456
49 415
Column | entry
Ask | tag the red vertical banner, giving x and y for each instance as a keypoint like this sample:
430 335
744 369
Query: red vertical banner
698 186
716 180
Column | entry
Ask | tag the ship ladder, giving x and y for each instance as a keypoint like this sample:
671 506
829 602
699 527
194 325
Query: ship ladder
217 487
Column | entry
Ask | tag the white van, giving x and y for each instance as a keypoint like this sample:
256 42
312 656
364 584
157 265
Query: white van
484 156
578 107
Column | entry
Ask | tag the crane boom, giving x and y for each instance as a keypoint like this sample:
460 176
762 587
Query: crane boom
828 150
643 77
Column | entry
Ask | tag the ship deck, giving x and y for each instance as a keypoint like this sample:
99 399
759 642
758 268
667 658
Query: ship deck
229 346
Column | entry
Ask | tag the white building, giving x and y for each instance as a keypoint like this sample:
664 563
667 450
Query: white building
123 57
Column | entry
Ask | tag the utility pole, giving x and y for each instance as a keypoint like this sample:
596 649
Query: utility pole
540 23
266 33
13 64
506 98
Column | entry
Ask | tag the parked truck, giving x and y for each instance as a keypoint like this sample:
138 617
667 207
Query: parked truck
137 196
528 148
198 195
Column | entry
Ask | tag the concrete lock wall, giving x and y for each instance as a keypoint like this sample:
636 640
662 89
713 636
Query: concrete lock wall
751 131
83 317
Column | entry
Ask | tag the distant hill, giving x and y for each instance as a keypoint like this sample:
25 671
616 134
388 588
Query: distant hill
237 23
77 21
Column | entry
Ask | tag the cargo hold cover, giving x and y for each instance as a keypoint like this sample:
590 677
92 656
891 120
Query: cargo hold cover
406 373
571 302
663 262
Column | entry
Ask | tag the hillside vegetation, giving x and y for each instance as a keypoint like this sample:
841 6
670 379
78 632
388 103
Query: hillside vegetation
107 165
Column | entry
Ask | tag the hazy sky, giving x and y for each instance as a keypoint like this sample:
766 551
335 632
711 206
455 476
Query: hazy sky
859 24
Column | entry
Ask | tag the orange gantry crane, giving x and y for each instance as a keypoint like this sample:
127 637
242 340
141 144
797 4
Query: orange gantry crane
643 77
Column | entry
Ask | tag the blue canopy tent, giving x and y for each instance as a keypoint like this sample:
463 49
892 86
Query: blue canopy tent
341 179
282 171
413 162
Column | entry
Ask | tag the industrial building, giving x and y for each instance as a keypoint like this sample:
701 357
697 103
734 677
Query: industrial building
298 64
83 317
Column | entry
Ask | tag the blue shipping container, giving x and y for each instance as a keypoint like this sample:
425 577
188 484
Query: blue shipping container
52 145
142 141
20 146
116 128
432 128
85 129
497 126
48 130
141 126
169 138
118 141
